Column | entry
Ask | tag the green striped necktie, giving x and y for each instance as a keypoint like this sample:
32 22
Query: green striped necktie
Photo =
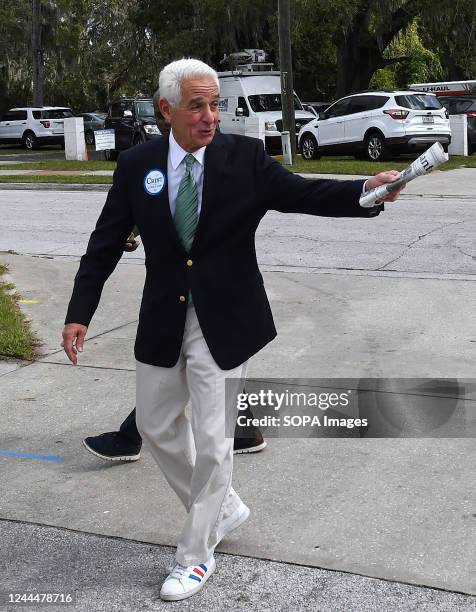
186 206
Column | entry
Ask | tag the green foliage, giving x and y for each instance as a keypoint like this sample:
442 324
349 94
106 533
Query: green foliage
15 62
314 53
95 50
416 64
451 33
384 79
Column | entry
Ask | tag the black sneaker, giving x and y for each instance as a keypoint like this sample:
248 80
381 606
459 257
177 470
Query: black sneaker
113 446
249 445
248 438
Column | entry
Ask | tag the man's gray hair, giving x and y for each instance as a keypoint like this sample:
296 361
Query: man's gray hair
174 74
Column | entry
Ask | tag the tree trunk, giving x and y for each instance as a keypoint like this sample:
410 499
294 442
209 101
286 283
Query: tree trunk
360 51
358 55
453 71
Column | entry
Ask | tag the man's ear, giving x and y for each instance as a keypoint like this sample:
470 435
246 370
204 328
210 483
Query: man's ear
165 109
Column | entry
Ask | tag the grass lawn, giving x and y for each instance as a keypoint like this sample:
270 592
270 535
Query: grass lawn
349 165
61 165
325 165
16 338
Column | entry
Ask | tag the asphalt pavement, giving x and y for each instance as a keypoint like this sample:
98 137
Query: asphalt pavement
113 575
360 524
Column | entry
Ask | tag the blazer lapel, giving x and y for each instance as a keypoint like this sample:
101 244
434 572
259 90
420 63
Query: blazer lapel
215 161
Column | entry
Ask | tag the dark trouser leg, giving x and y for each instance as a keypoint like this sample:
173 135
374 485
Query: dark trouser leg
129 430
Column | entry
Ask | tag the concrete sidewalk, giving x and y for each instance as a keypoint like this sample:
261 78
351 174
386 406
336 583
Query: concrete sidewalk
395 509
392 509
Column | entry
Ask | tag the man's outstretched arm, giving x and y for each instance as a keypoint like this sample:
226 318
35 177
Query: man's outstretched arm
284 191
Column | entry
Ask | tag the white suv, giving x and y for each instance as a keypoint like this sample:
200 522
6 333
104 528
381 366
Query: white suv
34 126
374 124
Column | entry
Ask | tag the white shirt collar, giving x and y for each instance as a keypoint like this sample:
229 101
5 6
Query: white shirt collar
177 154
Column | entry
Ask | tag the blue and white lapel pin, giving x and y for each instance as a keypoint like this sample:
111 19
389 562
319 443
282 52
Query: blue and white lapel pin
154 182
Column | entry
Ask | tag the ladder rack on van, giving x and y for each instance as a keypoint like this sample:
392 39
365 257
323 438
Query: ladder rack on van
248 73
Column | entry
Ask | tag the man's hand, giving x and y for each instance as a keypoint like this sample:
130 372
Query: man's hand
131 243
389 176
73 340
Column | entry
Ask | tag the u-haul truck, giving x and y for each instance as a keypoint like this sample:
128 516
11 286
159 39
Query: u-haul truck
452 95
449 88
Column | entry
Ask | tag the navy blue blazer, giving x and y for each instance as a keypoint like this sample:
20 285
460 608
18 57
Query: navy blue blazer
241 183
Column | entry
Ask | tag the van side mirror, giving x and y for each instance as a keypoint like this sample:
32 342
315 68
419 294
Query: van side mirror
239 112
322 115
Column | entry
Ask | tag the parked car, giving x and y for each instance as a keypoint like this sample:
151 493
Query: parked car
316 107
33 127
133 121
374 124
460 105
92 122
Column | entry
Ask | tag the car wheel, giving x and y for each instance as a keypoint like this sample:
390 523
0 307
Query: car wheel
111 154
30 141
309 147
89 137
375 149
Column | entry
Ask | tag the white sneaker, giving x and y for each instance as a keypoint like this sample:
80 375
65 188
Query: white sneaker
236 519
183 582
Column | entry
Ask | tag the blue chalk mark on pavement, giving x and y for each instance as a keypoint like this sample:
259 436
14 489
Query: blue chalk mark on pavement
56 458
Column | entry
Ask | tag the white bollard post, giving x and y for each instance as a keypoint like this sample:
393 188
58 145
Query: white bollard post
459 135
74 143
287 154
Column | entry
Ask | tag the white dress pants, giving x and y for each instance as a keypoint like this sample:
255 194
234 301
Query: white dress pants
195 456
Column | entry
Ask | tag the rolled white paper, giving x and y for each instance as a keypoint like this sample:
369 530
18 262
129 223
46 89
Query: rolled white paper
428 161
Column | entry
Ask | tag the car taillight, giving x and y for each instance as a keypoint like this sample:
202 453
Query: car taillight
45 124
472 114
396 113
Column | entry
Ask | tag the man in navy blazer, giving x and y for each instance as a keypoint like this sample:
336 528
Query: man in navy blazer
197 198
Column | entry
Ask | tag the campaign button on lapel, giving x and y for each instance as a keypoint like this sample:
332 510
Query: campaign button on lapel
154 182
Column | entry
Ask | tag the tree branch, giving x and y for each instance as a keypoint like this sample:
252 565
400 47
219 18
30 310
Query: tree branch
401 18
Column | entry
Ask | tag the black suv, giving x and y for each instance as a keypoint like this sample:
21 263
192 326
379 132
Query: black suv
133 121
463 105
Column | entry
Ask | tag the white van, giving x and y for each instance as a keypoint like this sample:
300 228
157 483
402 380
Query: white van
250 104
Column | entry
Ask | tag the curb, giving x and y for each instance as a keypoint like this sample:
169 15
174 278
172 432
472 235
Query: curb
55 186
